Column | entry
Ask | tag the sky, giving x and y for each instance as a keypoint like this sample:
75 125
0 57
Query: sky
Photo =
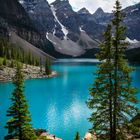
93 5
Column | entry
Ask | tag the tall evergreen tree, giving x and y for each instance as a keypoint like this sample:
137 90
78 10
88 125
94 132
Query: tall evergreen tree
48 66
4 61
102 90
19 125
41 65
112 95
77 136
124 94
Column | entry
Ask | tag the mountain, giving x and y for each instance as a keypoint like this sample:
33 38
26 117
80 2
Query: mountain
62 26
12 13
73 34
90 26
15 21
99 13
40 13
84 11
131 20
102 17
60 31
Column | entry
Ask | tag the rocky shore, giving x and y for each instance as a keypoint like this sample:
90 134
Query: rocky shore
30 72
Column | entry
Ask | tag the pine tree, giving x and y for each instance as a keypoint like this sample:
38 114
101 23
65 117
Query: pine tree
124 96
48 66
1 63
12 64
77 136
37 61
30 58
4 61
19 125
102 90
113 98
13 55
40 64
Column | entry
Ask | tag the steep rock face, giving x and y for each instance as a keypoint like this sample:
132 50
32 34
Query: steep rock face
84 11
61 26
13 18
74 33
84 14
14 15
75 41
40 13
102 17
131 20
3 28
89 25
67 19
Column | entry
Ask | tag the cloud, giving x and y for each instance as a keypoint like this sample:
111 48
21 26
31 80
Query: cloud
92 5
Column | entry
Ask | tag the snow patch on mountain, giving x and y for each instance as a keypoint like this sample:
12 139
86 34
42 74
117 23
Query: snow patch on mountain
67 47
80 28
135 10
131 41
47 36
63 28
21 1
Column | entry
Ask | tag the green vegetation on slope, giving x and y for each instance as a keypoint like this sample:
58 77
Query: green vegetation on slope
13 52
10 54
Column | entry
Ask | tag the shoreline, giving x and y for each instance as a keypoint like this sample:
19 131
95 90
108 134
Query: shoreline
29 72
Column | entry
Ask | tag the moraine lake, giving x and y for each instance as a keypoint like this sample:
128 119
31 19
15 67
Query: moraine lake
58 104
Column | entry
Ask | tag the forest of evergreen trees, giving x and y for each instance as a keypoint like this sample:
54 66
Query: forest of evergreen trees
10 54
9 51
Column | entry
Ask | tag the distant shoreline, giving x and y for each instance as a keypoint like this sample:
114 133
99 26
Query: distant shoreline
88 61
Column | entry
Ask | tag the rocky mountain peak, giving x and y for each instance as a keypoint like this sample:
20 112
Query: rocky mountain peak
62 5
83 11
38 10
99 11
31 5
62 26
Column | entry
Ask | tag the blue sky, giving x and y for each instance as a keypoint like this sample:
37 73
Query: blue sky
92 5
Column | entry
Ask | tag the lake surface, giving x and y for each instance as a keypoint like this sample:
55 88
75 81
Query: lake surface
58 104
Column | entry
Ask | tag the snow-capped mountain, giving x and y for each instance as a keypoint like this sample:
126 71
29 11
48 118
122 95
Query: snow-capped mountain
132 20
66 29
75 33
70 33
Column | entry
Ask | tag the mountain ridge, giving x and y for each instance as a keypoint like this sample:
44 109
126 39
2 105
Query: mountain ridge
66 33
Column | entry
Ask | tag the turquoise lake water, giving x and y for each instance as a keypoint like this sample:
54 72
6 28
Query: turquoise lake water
58 104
